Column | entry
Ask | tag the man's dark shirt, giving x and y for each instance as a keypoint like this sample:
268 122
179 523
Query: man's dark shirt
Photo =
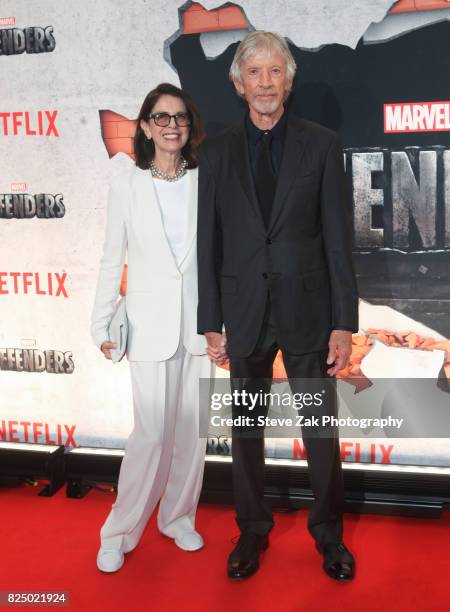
254 137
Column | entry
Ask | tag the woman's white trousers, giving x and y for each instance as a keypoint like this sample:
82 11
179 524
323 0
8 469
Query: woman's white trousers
164 455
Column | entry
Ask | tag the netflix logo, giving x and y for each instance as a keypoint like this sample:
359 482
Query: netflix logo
417 117
27 206
33 283
37 433
15 41
35 360
353 451
29 123
350 451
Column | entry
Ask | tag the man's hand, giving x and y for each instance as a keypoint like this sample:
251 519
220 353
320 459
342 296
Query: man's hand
340 349
217 347
106 348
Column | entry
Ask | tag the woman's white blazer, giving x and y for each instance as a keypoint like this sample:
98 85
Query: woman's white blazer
161 300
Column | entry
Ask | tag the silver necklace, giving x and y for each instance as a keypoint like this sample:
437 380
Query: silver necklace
181 171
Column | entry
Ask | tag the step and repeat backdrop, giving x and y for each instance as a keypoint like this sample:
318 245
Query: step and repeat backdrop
73 78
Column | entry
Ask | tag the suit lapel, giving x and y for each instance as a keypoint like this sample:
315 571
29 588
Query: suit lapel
191 229
293 151
242 161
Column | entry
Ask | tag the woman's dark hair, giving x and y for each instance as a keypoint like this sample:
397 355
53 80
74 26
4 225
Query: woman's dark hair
144 149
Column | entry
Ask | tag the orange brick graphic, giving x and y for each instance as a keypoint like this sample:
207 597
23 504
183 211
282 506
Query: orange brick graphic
410 6
197 19
117 133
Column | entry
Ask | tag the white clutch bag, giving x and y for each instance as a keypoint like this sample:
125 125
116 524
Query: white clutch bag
118 331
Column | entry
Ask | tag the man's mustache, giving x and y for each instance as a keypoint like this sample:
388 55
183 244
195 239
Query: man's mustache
265 92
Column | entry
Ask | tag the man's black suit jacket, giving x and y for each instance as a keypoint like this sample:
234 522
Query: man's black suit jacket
303 257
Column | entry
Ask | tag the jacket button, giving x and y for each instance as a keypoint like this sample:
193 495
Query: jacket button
265 275
269 241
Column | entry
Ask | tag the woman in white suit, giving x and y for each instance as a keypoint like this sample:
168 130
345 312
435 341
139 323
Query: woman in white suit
152 215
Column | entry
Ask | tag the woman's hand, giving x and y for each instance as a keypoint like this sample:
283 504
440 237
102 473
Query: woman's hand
106 348
217 347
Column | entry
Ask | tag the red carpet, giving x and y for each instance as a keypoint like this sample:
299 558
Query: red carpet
51 544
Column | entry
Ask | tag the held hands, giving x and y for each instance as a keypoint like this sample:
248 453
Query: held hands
217 347
340 348
106 348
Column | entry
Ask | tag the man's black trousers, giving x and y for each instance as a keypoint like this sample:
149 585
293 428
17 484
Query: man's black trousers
254 374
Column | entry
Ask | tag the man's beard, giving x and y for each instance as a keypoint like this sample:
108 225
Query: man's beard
266 107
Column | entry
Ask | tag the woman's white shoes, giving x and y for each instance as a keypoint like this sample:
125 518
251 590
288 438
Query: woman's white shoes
109 560
190 541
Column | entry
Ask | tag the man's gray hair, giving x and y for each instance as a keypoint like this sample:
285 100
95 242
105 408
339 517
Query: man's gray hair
258 41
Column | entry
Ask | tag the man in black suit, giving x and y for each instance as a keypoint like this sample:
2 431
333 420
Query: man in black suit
275 268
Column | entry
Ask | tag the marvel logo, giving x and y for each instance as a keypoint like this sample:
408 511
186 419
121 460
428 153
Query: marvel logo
417 117
18 186
7 21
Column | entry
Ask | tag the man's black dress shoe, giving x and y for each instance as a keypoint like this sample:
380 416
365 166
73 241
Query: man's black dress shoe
338 562
244 559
